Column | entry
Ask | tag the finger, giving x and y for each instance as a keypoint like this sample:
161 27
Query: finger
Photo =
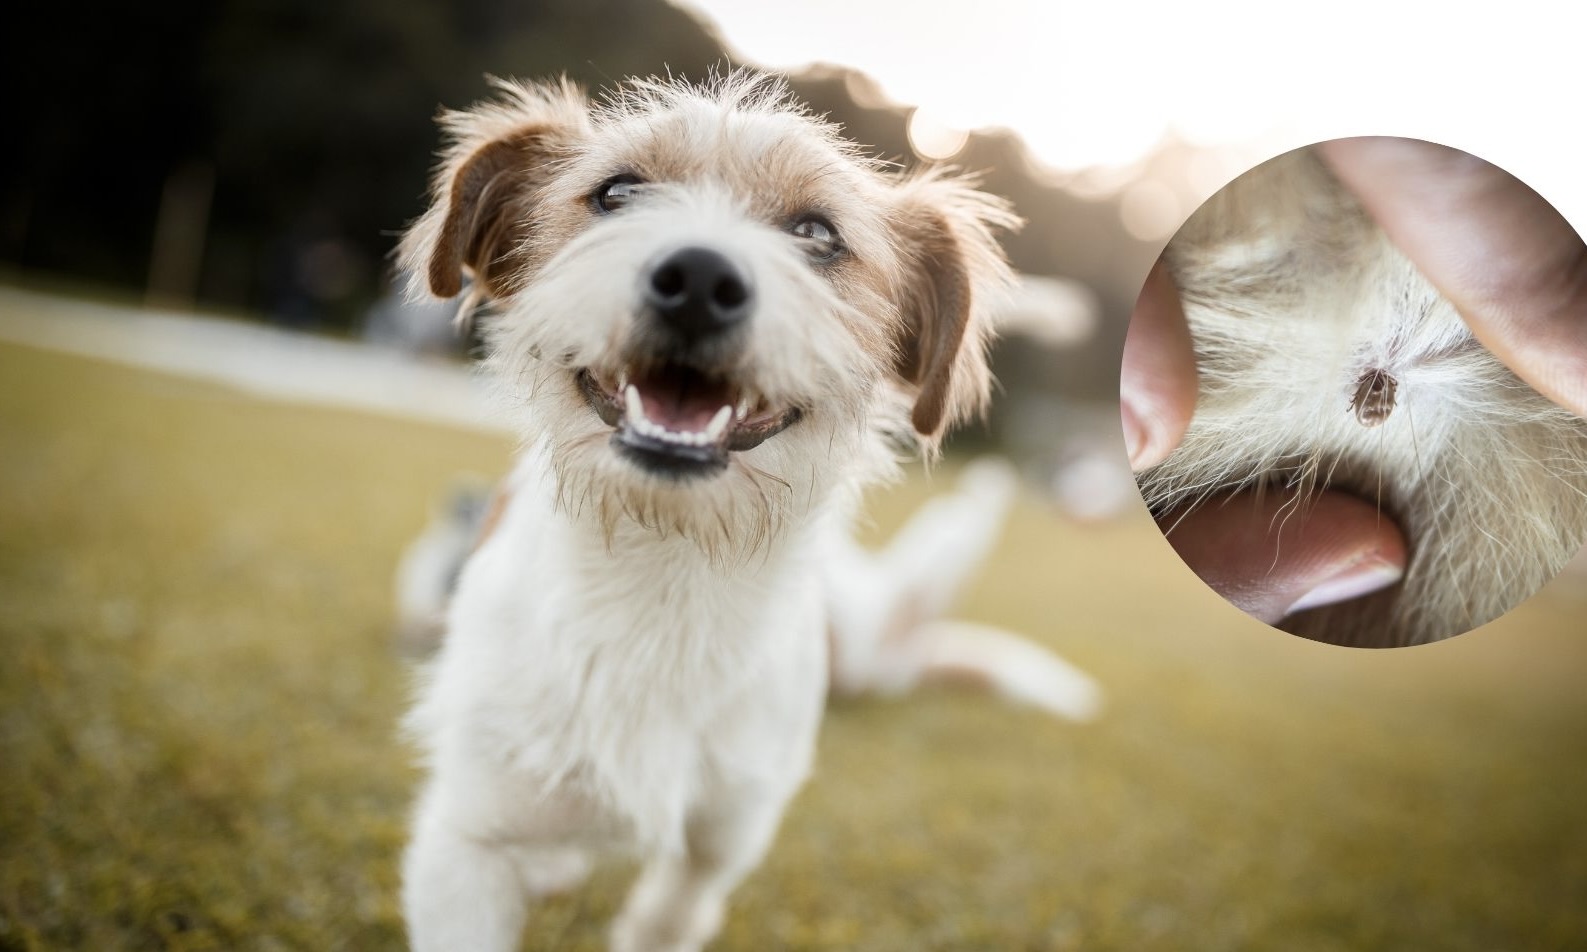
1510 263
1157 380
1270 558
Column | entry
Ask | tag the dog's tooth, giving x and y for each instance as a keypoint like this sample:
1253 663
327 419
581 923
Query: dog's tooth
743 410
718 425
635 406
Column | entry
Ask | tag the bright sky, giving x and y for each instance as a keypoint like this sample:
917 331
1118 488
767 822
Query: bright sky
1100 84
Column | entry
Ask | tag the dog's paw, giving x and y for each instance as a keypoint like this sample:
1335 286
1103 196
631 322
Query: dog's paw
666 930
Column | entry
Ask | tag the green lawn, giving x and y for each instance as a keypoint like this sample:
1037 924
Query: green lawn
198 699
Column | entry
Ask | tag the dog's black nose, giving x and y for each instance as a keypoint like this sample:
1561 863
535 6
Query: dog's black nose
697 292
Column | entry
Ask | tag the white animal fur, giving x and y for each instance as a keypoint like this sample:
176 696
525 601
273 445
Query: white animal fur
1292 294
633 662
886 608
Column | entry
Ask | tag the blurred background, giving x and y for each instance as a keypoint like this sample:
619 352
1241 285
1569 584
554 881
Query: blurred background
218 429
257 159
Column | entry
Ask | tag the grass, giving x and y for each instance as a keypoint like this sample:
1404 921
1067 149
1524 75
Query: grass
198 699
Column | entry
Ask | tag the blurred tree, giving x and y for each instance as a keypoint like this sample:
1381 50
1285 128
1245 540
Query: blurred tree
316 118
312 123
101 105
329 108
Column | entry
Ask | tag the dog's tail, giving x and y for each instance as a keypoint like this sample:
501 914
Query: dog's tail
428 570
888 633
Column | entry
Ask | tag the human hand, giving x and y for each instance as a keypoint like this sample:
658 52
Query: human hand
1512 265
1514 269
1243 547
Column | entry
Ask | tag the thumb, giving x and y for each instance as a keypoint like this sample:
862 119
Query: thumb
1272 554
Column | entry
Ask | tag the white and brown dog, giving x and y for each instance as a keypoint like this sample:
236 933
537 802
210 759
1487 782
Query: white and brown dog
717 321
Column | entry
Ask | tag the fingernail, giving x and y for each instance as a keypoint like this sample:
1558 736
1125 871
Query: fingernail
1134 434
1353 582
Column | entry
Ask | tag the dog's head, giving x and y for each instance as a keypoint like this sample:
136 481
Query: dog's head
704 292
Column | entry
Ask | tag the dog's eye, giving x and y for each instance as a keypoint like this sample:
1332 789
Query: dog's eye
820 237
616 192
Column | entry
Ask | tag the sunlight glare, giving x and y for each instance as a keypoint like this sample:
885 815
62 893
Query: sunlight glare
1093 85
933 139
1151 211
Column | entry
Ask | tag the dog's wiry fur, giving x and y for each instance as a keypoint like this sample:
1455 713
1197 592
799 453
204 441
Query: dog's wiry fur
637 661
1294 296
728 166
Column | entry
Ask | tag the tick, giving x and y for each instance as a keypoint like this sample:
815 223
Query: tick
1374 397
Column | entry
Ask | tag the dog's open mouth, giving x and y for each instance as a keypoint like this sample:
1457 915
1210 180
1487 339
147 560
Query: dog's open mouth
677 421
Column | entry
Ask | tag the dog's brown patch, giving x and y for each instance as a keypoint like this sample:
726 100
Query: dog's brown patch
935 321
486 214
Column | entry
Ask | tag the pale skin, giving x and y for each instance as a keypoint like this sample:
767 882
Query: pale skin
1511 265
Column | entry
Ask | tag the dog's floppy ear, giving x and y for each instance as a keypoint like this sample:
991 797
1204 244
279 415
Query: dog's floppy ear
497 156
958 274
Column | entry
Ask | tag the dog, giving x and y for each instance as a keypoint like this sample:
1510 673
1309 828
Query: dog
1327 360
715 321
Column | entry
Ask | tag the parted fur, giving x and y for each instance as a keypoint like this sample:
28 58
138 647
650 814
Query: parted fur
1327 360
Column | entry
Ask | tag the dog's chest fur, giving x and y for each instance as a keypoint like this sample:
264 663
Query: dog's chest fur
643 678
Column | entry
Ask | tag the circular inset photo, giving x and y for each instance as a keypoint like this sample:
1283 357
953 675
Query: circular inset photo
1355 391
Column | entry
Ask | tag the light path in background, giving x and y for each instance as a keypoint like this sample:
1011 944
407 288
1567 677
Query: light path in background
309 368
255 358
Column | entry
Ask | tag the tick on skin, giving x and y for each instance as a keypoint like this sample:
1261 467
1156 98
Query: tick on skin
1374 397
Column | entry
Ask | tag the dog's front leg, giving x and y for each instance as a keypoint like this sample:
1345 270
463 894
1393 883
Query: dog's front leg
460 893
463 891
678 901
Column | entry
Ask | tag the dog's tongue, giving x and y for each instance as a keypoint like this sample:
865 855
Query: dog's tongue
682 400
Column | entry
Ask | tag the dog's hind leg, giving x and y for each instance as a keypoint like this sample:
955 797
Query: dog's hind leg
878 599
887 607
679 899
1014 667
933 555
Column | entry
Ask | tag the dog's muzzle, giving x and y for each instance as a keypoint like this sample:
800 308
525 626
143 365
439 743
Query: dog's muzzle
677 410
